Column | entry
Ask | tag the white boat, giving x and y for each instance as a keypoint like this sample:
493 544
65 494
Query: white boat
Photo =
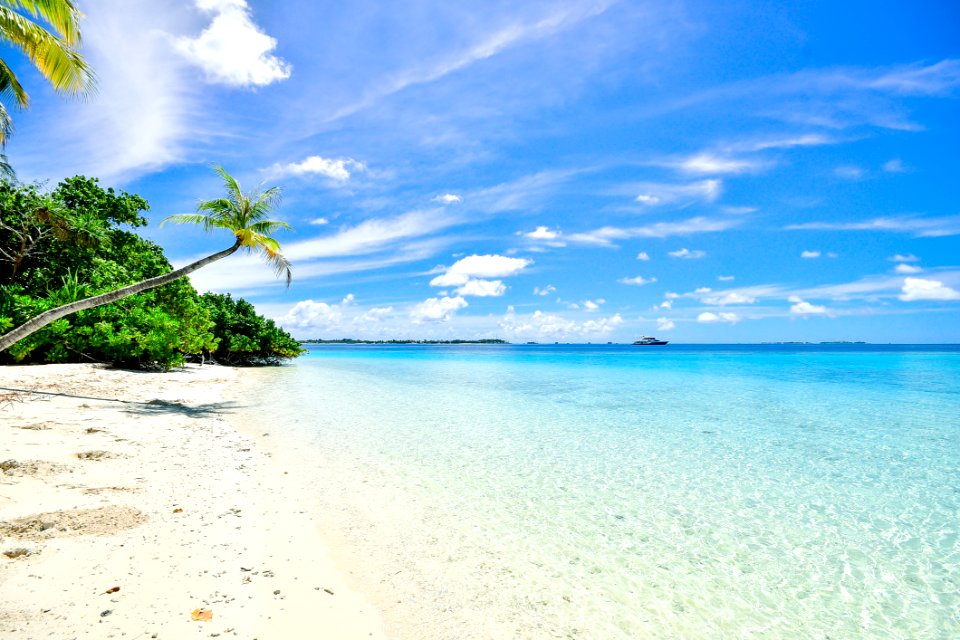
649 341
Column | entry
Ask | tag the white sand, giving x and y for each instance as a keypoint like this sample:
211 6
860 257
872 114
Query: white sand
91 495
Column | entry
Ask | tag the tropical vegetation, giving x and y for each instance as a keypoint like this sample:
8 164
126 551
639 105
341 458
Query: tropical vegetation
76 244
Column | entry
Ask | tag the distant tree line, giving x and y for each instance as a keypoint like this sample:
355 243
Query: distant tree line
355 341
74 242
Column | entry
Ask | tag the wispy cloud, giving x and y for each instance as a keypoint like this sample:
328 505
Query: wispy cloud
915 225
488 46
606 236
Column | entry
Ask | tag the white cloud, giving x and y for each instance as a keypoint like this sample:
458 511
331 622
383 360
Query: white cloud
922 289
708 163
666 304
726 278
469 274
904 258
308 314
550 326
639 280
702 290
233 50
542 233
894 166
687 254
849 172
644 256
922 227
375 314
605 236
731 297
482 288
545 291
319 222
591 305
708 317
448 198
665 324
907 269
803 308
437 309
810 255
654 193
338 170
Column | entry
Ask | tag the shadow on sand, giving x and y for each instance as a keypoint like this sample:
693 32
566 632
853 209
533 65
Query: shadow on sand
150 407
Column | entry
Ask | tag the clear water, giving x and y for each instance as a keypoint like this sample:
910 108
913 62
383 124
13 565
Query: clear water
637 492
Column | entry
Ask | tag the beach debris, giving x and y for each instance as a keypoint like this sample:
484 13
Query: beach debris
276 592
95 455
93 430
178 510
330 591
105 613
112 590
19 552
202 615
13 467
73 522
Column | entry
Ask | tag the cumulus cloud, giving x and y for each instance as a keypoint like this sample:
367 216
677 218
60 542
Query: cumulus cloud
542 233
448 198
338 170
482 288
308 314
318 222
552 326
475 269
544 291
233 50
708 317
923 289
907 269
665 324
904 258
810 255
801 307
638 281
591 305
687 254
666 304
437 309
644 256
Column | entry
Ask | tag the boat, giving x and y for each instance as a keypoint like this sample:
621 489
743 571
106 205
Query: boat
649 341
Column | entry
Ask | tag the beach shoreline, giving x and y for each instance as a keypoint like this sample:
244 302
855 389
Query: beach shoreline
129 501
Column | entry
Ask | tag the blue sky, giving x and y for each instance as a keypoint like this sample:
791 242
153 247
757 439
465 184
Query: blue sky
546 171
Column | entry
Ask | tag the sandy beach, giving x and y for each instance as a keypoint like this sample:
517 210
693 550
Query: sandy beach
131 506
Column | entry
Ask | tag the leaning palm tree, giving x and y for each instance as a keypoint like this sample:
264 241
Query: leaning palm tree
50 47
244 215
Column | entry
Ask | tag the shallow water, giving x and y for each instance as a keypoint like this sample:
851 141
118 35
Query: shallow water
622 492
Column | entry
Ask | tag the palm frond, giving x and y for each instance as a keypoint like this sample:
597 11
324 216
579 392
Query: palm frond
62 15
281 266
63 67
267 227
10 87
187 218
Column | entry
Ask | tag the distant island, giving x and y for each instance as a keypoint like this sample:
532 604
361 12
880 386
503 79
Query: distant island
355 341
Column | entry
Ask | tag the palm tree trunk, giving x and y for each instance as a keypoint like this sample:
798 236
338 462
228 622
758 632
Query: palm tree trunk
51 315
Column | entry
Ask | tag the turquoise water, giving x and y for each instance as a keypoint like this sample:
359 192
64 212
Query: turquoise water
623 492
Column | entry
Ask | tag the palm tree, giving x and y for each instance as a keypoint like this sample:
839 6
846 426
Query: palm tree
244 215
53 54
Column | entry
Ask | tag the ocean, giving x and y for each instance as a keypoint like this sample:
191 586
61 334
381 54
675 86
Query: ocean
612 491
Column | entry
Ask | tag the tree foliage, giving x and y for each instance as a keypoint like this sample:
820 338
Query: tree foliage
77 241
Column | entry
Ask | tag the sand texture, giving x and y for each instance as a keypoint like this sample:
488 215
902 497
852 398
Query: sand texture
130 505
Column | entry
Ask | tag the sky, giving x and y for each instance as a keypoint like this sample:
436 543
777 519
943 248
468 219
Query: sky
550 171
